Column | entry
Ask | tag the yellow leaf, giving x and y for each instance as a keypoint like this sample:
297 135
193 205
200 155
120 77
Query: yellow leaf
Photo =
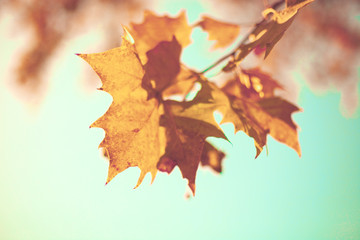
132 121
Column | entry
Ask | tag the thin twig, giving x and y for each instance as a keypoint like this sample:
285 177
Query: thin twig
242 42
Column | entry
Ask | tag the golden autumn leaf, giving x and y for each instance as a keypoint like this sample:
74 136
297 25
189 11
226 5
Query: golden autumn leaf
155 29
223 33
131 121
268 33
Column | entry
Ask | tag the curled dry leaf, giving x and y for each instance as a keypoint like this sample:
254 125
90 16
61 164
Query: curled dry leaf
223 33
268 33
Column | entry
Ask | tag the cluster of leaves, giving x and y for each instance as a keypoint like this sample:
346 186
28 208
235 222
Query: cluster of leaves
145 127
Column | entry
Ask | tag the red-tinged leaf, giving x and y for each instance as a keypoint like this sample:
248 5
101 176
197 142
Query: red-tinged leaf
163 65
183 83
223 33
155 29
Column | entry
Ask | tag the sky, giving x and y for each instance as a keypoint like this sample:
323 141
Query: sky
52 175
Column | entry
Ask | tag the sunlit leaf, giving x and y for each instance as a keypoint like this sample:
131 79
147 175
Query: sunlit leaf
132 121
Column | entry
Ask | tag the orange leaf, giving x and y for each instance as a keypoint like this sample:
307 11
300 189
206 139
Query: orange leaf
155 29
223 33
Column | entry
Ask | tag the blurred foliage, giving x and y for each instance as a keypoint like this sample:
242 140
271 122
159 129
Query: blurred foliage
324 39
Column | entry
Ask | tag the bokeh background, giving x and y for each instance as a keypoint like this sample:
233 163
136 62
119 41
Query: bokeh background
52 175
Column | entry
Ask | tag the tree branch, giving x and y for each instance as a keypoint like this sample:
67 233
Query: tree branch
243 41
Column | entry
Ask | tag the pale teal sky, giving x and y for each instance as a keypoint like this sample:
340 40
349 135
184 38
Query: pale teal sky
52 175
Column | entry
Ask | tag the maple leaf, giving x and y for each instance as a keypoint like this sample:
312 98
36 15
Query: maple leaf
155 29
132 121
269 116
268 33
224 33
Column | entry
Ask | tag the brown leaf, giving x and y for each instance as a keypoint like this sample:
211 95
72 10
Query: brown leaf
271 115
132 121
183 83
223 33
212 157
155 29
186 136
257 119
